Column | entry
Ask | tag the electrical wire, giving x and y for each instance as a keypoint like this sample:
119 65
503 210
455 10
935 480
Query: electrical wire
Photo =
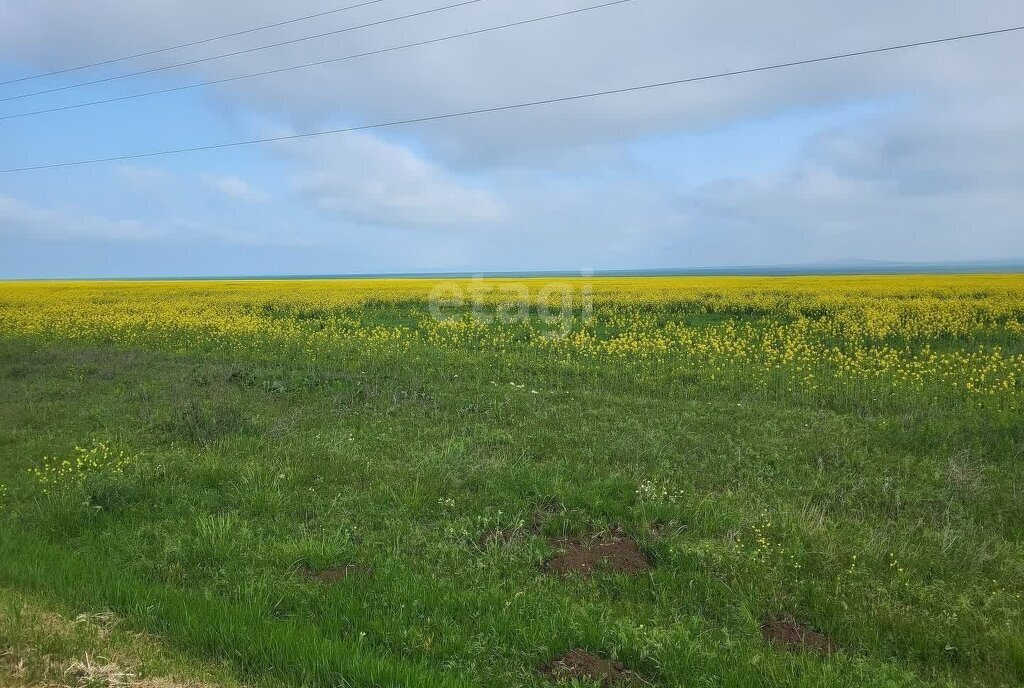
518 106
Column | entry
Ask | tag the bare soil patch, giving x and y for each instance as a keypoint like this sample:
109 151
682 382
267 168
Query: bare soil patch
334 574
583 665
792 635
606 552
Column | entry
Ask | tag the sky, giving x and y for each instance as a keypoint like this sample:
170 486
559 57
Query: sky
911 156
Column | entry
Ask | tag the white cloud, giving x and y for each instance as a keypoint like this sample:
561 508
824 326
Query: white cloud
914 187
234 187
643 41
143 177
364 178
21 219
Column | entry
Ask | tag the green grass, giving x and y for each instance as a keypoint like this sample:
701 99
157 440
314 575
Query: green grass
895 532
39 647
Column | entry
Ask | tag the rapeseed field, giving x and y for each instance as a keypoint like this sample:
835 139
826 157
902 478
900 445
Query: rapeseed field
666 481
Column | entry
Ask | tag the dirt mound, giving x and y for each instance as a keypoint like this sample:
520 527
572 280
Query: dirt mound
612 553
334 573
582 665
792 635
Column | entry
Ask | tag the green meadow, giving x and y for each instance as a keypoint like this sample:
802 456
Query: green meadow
450 516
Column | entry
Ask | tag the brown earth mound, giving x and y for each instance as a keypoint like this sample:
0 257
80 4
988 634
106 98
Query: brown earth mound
611 553
582 665
792 635
335 573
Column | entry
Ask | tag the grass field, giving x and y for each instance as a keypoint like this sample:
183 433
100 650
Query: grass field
698 481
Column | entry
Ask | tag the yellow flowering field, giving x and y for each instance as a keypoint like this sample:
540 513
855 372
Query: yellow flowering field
929 335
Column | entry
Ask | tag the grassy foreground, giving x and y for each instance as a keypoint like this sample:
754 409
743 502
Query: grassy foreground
364 483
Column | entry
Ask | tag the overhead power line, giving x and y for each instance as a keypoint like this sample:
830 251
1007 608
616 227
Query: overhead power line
203 41
518 106
318 63
239 52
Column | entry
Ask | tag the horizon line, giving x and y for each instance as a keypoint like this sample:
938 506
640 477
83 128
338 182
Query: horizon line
839 268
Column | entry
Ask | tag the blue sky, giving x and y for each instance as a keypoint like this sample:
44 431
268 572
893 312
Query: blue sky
902 157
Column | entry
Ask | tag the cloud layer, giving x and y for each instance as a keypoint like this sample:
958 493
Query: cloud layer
935 173
363 177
